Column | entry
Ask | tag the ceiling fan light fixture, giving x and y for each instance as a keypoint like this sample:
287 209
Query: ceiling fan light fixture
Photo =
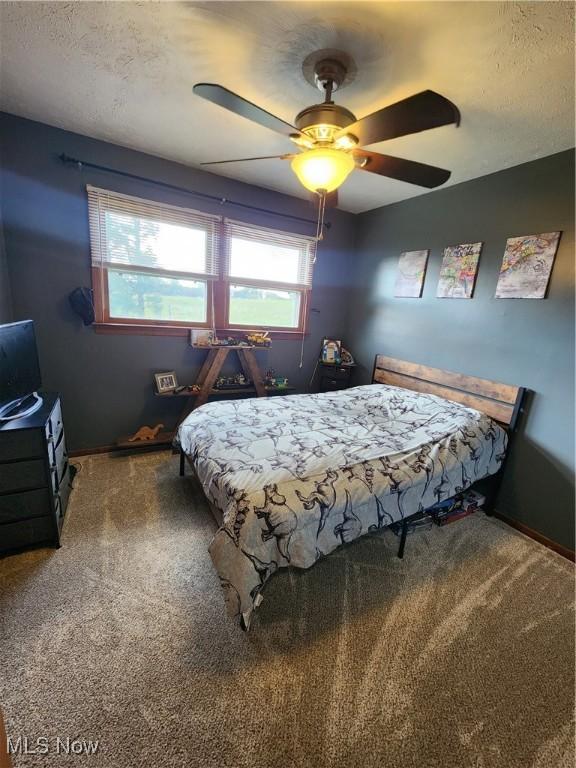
301 140
346 141
324 132
323 168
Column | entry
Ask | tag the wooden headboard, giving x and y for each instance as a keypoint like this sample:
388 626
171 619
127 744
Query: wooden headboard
502 402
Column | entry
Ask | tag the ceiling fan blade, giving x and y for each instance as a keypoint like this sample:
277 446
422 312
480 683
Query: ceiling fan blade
246 159
420 112
403 170
217 94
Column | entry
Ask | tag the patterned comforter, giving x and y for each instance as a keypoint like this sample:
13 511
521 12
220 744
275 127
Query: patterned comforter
297 476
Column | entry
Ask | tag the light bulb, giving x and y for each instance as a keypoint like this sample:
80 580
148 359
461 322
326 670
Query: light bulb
346 141
323 168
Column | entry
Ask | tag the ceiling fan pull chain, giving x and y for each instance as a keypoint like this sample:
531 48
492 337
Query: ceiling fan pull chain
303 341
320 224
319 237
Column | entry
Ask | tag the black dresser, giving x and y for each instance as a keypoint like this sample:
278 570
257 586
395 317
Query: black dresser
34 478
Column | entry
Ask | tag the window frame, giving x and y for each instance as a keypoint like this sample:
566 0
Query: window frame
102 302
217 298
302 313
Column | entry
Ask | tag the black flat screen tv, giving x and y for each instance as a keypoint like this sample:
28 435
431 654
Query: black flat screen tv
19 367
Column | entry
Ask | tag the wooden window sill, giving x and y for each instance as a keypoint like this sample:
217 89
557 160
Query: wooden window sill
129 329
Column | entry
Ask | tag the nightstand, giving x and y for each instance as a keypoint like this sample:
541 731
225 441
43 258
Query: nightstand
334 377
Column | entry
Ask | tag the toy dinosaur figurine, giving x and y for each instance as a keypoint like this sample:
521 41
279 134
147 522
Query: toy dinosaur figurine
146 433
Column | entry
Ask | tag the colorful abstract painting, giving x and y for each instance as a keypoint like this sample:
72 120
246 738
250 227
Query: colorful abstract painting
526 266
410 275
458 271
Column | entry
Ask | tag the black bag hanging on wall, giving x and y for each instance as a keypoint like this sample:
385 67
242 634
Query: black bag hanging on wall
82 302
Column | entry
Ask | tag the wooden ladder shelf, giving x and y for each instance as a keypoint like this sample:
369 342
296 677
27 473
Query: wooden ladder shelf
209 373
213 364
206 380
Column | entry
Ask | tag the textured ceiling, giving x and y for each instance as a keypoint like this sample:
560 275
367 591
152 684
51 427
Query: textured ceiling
123 72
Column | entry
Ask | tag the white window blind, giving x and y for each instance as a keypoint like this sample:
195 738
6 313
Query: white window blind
131 234
261 256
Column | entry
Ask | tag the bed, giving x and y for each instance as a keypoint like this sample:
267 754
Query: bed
295 477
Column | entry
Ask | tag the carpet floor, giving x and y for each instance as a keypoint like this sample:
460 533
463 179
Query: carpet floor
459 656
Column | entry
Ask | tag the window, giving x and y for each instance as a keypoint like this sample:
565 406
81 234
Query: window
152 263
162 266
267 275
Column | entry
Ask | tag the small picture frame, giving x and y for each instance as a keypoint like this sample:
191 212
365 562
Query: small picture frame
166 382
201 337
331 351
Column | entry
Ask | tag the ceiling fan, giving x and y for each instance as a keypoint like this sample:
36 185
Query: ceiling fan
329 137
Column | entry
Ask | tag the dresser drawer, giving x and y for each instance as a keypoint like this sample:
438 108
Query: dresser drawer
22 475
23 444
331 385
336 372
19 506
27 532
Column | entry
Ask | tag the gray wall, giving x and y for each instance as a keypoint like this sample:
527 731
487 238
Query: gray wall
526 342
5 292
106 381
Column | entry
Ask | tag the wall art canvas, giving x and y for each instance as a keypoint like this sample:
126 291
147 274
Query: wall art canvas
410 274
526 266
458 271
